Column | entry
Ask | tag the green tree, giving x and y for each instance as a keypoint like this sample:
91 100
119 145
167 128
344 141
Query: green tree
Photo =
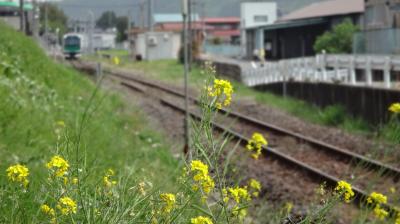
339 40
56 18
122 25
107 20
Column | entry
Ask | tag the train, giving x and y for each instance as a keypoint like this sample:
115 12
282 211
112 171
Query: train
74 45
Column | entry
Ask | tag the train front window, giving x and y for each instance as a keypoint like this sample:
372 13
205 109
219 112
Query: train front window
72 41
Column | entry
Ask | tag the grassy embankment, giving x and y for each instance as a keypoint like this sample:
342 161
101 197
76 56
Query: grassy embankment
47 109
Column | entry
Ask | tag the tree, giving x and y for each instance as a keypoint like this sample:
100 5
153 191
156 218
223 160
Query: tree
122 25
107 20
339 40
56 18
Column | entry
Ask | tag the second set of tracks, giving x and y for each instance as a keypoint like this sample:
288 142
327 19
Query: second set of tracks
321 161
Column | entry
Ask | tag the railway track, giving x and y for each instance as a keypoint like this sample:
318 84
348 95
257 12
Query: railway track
319 174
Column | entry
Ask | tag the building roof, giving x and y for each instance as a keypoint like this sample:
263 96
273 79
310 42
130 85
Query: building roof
177 27
221 20
166 18
224 33
326 8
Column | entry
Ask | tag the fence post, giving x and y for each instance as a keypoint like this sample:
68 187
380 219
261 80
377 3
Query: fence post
353 70
386 72
336 67
368 71
323 66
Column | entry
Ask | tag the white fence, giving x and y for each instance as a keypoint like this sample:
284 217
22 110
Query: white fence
324 68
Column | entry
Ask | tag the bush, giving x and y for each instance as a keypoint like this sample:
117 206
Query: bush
339 40
333 115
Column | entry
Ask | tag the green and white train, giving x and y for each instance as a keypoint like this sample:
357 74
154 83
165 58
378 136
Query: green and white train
74 45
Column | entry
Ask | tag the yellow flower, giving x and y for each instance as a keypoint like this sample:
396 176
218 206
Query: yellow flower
60 123
239 194
66 206
75 180
201 176
392 190
398 218
221 89
288 207
255 144
116 60
201 220
18 173
380 213
169 200
377 198
395 108
50 212
239 212
256 186
345 188
225 195
58 165
107 178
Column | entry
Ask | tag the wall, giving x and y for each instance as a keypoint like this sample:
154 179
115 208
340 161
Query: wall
371 104
250 9
166 47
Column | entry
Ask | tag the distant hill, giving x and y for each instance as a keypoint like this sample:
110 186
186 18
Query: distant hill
78 9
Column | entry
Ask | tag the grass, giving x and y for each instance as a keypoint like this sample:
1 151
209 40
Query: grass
171 71
40 96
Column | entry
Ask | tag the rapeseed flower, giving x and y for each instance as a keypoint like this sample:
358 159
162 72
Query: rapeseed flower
255 144
201 176
376 198
58 166
395 108
49 212
201 220
241 213
107 178
67 206
222 90
380 213
239 194
255 186
288 207
18 173
169 200
398 218
345 189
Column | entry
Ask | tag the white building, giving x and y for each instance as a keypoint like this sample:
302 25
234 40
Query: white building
158 45
104 40
254 14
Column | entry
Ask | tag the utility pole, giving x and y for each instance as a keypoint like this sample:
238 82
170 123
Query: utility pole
150 15
90 31
186 75
46 19
190 35
21 16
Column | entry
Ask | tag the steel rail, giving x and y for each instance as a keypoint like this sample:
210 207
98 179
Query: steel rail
369 163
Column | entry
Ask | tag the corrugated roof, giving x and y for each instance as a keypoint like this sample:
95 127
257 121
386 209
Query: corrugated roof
176 17
326 8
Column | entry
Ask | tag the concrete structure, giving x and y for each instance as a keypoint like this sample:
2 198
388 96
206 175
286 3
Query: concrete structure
104 40
255 14
157 45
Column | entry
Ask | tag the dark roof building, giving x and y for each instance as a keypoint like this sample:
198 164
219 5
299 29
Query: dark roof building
294 34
